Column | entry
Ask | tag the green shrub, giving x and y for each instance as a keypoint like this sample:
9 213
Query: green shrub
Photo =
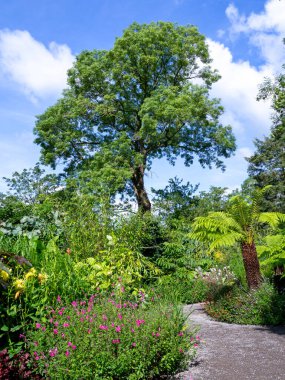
263 306
182 289
106 338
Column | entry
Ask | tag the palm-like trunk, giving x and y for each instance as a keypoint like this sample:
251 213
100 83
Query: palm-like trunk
251 265
143 201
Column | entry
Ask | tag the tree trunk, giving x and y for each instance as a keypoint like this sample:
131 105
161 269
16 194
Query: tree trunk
251 265
143 201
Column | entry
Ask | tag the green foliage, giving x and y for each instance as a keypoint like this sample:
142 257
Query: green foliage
272 252
32 185
263 306
267 164
213 200
134 103
176 200
107 338
12 210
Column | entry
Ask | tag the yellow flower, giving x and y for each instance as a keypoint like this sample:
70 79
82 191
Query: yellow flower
218 256
17 295
42 277
4 275
19 284
32 273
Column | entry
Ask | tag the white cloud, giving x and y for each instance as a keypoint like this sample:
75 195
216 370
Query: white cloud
265 30
244 152
38 70
238 89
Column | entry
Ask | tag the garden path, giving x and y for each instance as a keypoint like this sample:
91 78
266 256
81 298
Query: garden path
235 352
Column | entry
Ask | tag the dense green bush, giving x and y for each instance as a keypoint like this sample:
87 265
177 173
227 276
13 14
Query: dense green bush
263 306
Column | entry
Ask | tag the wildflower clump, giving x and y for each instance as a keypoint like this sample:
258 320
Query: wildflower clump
107 337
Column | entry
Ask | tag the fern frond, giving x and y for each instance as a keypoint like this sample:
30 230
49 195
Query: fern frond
218 229
271 218
226 240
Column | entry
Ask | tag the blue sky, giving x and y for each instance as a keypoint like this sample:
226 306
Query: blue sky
39 40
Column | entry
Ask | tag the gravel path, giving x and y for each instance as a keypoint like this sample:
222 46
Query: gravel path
235 352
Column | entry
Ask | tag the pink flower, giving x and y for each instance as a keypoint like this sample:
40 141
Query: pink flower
69 344
56 324
134 344
62 335
122 289
55 331
104 317
89 331
116 341
43 328
120 316
73 347
53 352
139 322
118 329
195 345
180 333
38 325
132 330
36 343
66 324
180 350
58 299
74 303
60 312
67 353
103 327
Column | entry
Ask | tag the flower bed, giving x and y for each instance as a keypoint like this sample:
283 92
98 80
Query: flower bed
107 338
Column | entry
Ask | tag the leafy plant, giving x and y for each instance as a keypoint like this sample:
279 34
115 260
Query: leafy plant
262 306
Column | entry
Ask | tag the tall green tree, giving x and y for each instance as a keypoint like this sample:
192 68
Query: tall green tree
144 99
267 164
239 225
30 185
